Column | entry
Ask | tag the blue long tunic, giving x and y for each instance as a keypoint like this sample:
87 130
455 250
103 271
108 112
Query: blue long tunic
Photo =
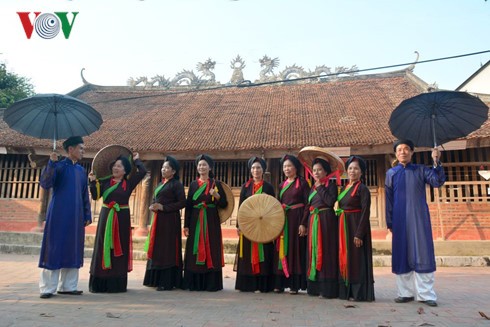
68 211
407 215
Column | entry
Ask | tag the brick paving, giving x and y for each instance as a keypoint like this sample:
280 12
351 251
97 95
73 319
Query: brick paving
462 292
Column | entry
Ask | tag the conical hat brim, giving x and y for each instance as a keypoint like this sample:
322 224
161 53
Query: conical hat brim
225 213
261 218
307 154
106 155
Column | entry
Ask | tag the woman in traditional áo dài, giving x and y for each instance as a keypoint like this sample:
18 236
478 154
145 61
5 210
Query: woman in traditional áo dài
204 258
254 263
355 246
164 242
112 257
290 248
322 262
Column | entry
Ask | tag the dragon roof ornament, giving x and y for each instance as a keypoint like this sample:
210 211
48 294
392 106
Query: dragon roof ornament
207 78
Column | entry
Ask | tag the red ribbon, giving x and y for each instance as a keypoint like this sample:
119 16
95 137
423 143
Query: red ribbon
115 232
202 247
255 258
152 236
319 257
343 245
130 254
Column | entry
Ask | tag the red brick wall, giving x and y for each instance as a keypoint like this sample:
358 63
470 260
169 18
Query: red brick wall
461 221
18 215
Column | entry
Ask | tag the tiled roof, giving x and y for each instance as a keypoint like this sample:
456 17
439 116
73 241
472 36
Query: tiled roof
352 111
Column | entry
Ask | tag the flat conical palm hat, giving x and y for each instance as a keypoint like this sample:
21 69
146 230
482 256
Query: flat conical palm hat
309 153
261 218
106 155
225 213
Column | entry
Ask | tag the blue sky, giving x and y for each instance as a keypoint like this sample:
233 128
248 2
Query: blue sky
117 39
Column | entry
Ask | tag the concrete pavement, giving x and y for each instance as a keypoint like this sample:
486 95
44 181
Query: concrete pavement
462 292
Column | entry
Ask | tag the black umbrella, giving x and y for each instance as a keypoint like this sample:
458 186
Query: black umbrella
52 116
434 118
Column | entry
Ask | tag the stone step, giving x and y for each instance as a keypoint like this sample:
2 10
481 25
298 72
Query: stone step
30 243
35 239
448 253
442 248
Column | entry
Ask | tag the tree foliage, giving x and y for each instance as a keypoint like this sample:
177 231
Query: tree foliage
13 87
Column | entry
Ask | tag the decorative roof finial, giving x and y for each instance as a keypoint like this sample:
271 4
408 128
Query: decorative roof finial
412 66
85 82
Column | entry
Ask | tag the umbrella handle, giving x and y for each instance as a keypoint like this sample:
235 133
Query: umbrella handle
55 123
433 119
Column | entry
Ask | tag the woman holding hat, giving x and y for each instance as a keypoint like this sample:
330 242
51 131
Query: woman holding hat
164 242
204 258
112 256
254 264
290 247
321 229
355 246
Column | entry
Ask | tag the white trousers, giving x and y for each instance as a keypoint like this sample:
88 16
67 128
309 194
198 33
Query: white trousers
421 287
62 280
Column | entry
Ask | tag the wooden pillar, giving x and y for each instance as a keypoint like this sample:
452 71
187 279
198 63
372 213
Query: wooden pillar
41 218
144 200
267 173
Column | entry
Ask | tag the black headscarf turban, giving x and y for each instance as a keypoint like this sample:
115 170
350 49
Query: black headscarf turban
72 141
407 142
259 160
210 162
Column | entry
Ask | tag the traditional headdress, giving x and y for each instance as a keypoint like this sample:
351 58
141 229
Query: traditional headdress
259 160
210 162
407 142
72 141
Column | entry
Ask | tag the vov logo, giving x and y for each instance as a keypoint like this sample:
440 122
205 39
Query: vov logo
47 25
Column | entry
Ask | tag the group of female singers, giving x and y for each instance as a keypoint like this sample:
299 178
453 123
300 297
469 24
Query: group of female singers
326 254
204 258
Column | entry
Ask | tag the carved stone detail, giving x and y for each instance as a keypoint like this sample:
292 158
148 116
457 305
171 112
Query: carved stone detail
292 72
267 72
206 70
207 78
237 65
185 77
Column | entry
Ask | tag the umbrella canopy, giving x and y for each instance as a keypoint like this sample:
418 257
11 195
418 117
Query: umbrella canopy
106 155
434 118
225 213
52 116
261 218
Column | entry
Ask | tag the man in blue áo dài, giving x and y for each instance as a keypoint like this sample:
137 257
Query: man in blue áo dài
68 214
407 216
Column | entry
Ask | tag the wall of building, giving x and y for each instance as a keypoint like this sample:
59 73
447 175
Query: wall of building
18 214
461 221
460 210
479 83
453 221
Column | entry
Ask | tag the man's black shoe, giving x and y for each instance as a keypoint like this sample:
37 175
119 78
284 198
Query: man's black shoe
402 299
71 292
431 303
45 295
